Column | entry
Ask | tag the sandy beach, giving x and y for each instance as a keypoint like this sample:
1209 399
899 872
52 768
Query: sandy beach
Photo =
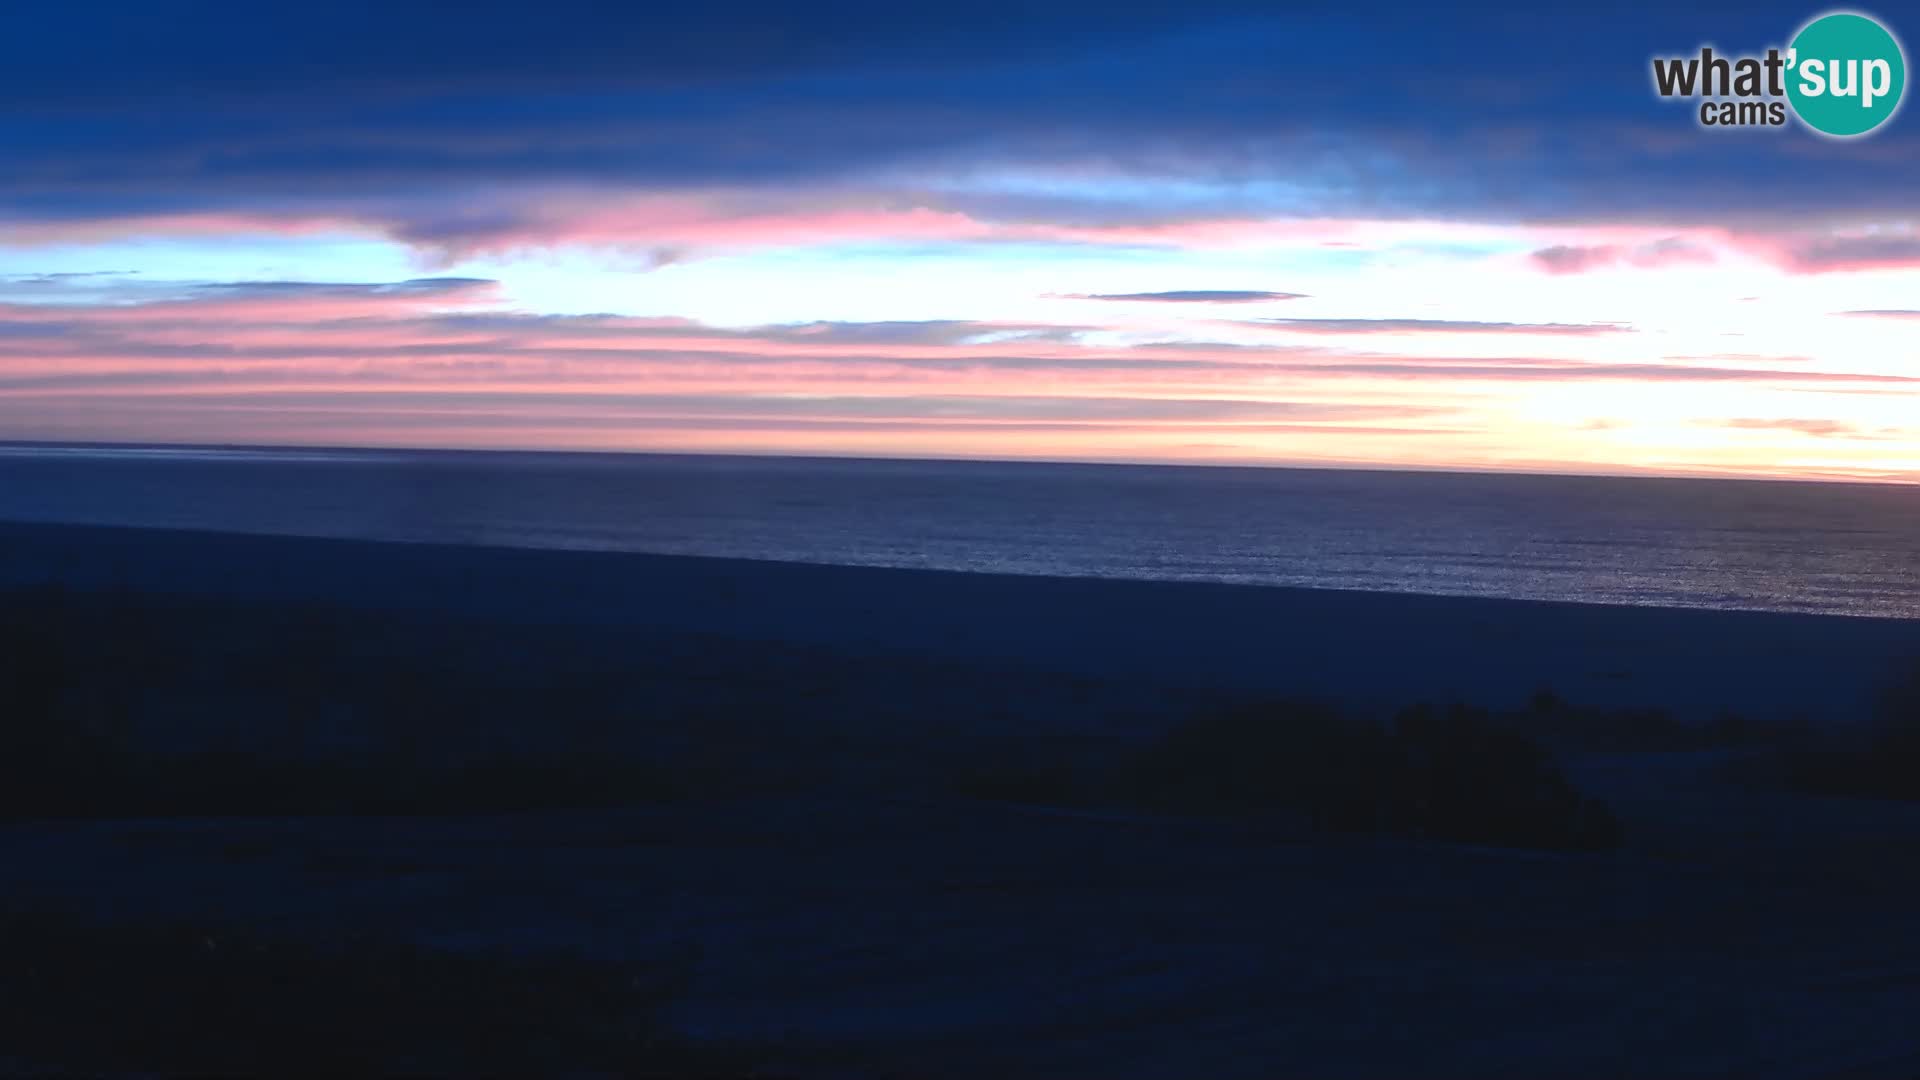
1368 649
839 909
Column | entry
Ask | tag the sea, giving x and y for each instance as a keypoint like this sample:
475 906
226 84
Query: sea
1765 545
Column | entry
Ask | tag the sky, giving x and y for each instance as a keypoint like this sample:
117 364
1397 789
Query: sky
1405 235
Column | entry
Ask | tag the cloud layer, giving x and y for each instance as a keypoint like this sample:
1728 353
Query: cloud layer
1338 232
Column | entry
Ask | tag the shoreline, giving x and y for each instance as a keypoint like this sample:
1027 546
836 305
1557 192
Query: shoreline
1364 649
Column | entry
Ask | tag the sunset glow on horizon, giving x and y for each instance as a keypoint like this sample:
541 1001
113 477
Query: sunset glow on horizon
1143 243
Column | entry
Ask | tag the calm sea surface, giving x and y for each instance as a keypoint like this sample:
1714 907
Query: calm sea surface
1697 543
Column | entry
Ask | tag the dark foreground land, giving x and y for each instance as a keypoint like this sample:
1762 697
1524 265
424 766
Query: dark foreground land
302 806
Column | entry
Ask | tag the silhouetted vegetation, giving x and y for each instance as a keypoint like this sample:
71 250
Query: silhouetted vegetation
311 710
1449 774
190 1000
1554 720
1039 771
233 783
1298 757
1453 774
1881 763
306 711
1043 782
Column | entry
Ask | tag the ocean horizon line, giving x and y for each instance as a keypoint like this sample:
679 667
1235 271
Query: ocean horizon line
8 446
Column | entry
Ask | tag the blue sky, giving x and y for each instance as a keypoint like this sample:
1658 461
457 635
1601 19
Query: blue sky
984 230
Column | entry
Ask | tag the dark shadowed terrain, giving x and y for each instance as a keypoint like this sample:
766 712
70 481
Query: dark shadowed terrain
701 817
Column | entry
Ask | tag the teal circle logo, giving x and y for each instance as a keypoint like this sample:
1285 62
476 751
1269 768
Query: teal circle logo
1846 74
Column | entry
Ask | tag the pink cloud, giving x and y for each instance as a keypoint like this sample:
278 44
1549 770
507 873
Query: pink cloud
1811 427
656 229
1579 259
662 228
670 227
1837 251
1795 249
431 336
434 363
1439 327
271 302
96 230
